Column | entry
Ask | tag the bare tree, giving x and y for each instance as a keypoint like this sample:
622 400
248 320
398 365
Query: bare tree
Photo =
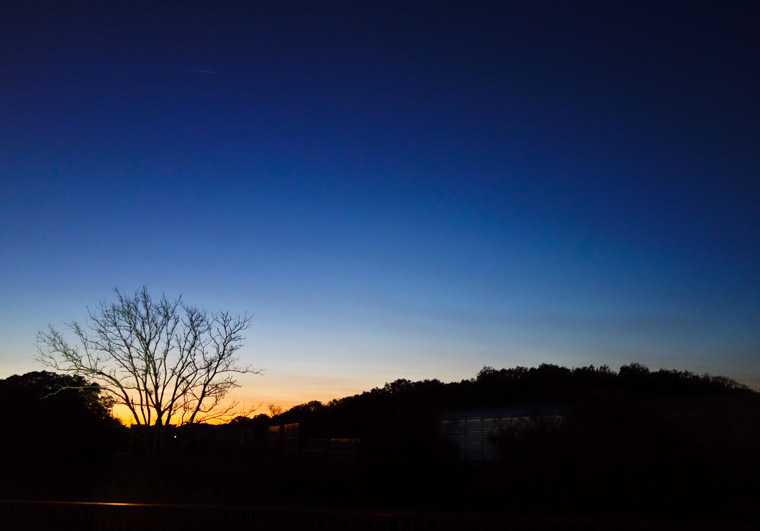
168 363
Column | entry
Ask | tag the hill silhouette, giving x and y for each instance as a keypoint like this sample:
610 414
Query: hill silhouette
492 388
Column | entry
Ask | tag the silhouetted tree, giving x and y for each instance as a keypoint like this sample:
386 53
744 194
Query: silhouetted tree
58 435
164 361
53 399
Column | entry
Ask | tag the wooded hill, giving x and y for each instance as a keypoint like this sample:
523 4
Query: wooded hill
498 388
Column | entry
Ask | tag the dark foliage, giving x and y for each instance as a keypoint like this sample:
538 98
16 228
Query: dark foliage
405 404
58 431
45 409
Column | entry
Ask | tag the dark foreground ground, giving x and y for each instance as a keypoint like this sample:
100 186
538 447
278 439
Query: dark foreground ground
34 516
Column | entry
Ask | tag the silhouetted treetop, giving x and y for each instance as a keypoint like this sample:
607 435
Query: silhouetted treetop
43 390
45 409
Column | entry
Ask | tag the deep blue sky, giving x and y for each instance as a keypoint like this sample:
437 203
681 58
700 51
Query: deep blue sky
392 189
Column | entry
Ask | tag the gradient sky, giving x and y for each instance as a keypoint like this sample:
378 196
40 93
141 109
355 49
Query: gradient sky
392 189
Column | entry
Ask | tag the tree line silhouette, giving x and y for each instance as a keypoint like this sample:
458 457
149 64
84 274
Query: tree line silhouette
631 442
544 384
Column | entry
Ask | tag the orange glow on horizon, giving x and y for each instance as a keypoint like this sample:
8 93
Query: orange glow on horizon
122 413
253 405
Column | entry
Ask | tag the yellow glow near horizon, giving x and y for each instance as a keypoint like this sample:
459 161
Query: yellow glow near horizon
122 413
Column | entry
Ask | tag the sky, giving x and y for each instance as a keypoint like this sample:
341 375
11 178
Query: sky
391 189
